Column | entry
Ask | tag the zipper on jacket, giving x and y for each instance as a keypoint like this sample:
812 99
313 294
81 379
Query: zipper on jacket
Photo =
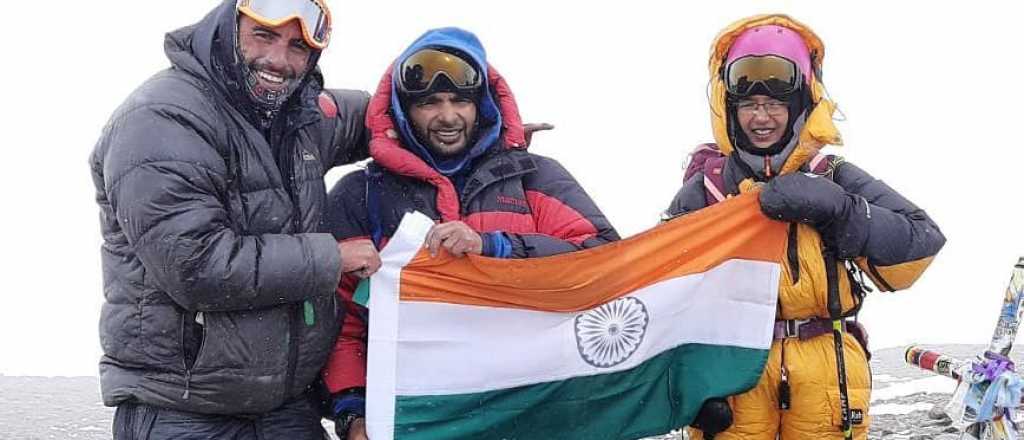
184 359
294 326
188 381
792 254
304 308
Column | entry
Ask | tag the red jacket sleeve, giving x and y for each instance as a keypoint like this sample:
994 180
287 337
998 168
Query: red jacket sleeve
346 366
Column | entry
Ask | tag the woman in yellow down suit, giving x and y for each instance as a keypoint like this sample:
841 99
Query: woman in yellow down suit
770 119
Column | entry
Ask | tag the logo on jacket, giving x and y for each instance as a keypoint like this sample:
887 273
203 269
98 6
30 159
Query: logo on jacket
506 200
610 334
307 155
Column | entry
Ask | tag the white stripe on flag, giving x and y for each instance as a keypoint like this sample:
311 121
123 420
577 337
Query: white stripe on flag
455 349
381 366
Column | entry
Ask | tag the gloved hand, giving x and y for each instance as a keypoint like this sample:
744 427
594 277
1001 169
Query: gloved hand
350 427
840 217
714 416
810 199
348 409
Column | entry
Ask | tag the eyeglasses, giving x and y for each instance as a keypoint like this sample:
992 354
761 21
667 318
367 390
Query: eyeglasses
777 76
773 108
423 68
313 15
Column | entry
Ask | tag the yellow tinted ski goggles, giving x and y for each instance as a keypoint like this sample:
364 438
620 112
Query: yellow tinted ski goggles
313 15
422 69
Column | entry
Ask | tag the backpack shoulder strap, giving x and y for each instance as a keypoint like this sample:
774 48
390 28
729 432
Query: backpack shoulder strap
374 181
709 161
823 165
714 181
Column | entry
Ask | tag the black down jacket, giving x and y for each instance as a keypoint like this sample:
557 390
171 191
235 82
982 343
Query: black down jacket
219 280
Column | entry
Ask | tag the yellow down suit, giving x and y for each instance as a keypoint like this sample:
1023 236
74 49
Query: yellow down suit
893 244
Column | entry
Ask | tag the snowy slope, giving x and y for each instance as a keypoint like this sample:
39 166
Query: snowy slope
70 408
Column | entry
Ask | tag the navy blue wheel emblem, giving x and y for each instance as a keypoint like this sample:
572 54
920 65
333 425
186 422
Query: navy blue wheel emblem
610 334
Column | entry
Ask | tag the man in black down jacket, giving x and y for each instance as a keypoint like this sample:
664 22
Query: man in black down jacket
218 276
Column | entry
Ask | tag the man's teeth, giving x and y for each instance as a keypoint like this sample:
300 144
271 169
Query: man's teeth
271 78
763 131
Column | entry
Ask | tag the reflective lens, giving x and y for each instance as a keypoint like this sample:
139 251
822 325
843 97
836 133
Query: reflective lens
423 68
313 16
778 76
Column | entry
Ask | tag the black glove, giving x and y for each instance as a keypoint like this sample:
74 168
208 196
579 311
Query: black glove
803 198
346 407
840 217
714 417
342 424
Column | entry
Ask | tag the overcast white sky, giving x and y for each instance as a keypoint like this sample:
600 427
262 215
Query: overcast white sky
933 97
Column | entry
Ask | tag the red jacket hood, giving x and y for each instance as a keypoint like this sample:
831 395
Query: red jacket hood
390 154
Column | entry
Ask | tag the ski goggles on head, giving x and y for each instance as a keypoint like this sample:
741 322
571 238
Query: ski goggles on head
777 76
313 15
421 71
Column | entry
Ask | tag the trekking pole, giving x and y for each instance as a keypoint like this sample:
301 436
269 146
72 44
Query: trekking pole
835 311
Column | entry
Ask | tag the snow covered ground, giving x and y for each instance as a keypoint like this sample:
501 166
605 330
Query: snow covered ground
69 408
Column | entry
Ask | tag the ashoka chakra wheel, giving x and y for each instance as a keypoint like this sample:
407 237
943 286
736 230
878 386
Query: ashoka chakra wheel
610 334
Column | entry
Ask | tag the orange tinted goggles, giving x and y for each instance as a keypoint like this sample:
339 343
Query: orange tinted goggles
777 76
423 68
313 15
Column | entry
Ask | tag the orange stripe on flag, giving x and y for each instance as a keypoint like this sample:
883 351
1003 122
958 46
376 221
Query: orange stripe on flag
734 229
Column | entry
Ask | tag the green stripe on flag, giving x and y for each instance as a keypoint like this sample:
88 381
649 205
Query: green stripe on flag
653 398
362 294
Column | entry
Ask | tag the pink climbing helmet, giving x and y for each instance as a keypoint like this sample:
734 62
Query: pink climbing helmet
762 52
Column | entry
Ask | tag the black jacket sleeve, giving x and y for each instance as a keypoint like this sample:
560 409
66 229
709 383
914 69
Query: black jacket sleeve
350 136
167 185
881 224
857 215
566 217
689 198
897 239
346 216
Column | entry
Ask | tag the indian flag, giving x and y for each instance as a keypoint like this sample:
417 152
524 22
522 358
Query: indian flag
617 342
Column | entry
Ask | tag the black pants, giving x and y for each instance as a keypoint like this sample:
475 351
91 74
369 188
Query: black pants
296 420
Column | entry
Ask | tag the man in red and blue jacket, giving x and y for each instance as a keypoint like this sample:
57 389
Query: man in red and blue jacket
460 158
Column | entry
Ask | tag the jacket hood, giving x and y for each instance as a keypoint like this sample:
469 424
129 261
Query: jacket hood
208 50
390 154
488 115
817 130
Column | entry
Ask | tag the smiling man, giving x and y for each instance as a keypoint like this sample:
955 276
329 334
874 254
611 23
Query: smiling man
275 59
459 158
219 278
